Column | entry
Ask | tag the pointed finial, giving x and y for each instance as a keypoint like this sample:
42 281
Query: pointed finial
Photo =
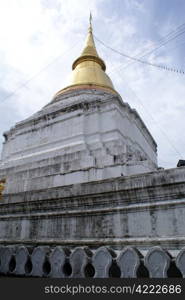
90 22
90 19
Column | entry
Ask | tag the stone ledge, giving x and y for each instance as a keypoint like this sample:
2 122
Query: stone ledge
112 209
154 185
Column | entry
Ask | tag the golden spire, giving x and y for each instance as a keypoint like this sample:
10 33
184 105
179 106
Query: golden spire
89 68
89 52
90 19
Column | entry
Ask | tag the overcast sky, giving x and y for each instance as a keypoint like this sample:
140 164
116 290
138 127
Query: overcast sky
39 39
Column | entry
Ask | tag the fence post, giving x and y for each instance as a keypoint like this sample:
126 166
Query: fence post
157 262
38 259
57 259
129 261
79 258
180 261
102 260
21 258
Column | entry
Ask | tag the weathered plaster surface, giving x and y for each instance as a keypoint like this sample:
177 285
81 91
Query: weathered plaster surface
79 137
140 210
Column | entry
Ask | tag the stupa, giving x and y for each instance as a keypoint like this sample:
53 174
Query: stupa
82 172
85 133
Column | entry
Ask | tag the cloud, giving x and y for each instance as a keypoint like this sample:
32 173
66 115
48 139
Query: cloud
41 39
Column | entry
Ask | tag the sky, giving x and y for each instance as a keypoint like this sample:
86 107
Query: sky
39 40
